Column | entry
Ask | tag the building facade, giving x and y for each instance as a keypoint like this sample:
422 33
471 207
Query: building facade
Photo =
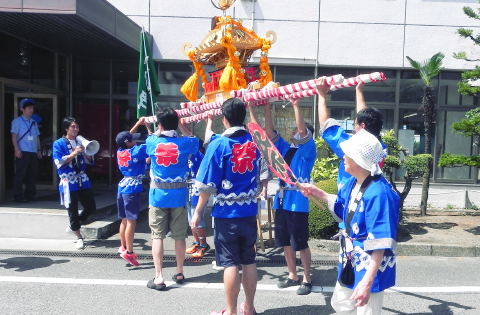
80 58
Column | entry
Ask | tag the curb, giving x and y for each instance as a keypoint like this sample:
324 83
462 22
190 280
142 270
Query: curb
106 226
411 249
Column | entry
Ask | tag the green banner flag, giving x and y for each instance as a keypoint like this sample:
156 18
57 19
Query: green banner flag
148 87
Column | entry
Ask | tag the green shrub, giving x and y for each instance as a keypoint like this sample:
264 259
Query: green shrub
326 164
416 165
321 224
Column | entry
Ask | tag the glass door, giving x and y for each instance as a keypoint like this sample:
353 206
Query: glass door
454 143
46 109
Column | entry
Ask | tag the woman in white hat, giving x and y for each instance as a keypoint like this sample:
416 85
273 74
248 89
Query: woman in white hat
369 207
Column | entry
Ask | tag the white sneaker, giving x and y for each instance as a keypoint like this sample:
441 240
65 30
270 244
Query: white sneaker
69 230
80 244
215 267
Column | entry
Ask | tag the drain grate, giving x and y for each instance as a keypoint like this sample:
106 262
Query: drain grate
263 261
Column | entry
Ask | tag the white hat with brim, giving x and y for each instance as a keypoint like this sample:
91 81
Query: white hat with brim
365 149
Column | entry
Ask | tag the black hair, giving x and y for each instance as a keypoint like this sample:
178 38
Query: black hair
67 121
372 118
234 111
310 127
200 146
168 119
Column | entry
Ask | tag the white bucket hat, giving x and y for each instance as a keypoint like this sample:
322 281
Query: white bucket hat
365 149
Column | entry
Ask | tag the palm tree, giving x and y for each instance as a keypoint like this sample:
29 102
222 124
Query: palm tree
428 70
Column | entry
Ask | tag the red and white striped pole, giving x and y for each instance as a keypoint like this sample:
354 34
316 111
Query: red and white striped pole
290 88
193 111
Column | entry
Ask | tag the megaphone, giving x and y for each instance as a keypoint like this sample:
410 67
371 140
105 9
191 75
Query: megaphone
91 147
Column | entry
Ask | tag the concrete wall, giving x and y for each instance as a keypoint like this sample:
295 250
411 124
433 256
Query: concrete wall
370 33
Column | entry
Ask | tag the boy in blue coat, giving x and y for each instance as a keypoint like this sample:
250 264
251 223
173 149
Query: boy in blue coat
291 217
132 161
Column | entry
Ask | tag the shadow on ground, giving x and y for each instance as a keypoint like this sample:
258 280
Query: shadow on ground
438 308
29 263
303 309
407 229
474 231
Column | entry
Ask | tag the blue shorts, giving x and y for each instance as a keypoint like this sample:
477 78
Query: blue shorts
291 229
191 212
128 206
235 240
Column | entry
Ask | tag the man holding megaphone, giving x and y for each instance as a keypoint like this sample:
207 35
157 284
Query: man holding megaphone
71 155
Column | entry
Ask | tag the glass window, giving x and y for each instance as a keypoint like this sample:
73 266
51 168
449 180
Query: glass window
43 66
449 94
411 123
15 58
411 87
284 118
341 95
411 134
94 116
170 101
381 91
91 76
288 75
125 77
454 143
344 115
172 76
388 119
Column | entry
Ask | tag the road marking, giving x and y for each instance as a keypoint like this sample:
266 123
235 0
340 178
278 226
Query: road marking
219 286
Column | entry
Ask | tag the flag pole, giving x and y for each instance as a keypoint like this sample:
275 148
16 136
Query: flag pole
149 87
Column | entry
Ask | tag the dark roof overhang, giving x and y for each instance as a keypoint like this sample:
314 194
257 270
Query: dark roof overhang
83 28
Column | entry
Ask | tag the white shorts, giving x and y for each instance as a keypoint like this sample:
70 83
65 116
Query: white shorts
342 303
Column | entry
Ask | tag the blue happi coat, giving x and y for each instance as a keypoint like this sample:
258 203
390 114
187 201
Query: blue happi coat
229 171
169 165
301 166
194 165
373 227
132 164
67 171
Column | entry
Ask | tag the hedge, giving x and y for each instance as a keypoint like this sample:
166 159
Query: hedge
321 224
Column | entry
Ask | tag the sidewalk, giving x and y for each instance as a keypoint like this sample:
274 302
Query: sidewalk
322 250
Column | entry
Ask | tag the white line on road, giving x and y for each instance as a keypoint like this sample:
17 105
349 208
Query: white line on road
219 286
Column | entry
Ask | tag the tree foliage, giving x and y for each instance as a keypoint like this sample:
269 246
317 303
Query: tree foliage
415 166
326 165
468 127
465 86
428 70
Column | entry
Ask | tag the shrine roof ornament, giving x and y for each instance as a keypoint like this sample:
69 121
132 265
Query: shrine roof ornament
246 42
224 4
228 46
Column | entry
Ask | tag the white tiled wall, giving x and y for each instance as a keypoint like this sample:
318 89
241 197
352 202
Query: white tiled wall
351 32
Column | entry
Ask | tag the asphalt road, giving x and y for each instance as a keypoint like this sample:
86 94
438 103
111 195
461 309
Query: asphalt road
72 285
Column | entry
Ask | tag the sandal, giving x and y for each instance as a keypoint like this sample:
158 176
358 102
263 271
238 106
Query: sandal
288 283
242 309
178 281
305 288
159 287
